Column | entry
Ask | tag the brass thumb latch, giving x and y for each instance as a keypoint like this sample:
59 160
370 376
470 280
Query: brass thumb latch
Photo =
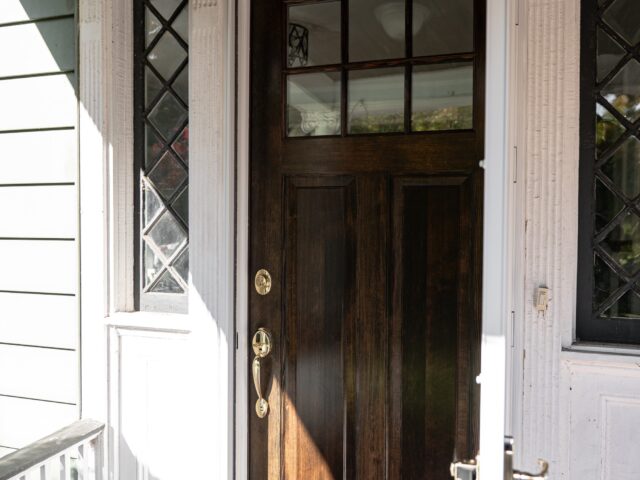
470 469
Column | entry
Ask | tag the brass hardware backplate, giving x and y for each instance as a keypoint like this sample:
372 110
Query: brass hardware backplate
261 343
263 281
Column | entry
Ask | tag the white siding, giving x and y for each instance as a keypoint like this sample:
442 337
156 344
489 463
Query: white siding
39 373
38 266
23 421
25 10
38 211
44 47
38 157
38 220
46 320
38 102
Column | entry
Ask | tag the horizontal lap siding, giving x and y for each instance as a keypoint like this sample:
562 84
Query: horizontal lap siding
38 222
38 157
38 212
13 11
23 421
45 320
39 373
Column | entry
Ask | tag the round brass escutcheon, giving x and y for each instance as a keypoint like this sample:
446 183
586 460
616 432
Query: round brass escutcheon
262 408
263 281
262 343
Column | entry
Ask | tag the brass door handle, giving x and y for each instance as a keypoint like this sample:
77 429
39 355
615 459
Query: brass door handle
262 348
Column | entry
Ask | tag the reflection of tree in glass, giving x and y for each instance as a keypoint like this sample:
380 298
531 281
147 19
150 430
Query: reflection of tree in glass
608 129
393 122
449 118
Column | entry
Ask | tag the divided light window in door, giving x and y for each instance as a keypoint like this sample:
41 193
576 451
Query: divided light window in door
161 154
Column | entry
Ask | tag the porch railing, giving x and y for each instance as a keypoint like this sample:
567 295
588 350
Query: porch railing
72 453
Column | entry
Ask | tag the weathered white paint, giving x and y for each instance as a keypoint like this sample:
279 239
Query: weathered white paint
38 102
24 10
38 266
23 421
46 46
39 211
581 406
38 157
44 320
39 373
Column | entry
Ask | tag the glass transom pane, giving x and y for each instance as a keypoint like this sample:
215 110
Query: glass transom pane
442 97
313 104
376 31
376 100
442 27
313 34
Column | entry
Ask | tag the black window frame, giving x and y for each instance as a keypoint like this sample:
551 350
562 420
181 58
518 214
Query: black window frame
590 326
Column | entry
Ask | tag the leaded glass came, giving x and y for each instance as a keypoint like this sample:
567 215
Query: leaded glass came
610 261
162 144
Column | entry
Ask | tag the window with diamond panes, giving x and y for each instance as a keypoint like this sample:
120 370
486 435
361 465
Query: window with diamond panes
162 153
609 253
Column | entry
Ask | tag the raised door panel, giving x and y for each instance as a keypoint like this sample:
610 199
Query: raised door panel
319 318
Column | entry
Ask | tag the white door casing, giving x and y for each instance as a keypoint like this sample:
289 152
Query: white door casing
162 382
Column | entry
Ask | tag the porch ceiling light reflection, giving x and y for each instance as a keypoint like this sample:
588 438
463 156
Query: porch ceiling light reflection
391 16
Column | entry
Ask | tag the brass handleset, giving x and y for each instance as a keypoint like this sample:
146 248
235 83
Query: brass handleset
262 345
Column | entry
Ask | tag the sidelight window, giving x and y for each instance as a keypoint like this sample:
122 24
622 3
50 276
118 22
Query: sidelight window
609 254
354 67
162 153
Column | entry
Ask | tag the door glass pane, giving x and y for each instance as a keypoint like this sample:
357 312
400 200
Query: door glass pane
442 97
376 100
313 104
376 30
442 27
162 100
313 34
623 91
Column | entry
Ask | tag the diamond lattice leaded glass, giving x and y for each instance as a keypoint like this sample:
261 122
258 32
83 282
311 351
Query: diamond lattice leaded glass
616 186
164 170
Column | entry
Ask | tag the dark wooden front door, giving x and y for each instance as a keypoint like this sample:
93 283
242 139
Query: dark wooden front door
366 210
